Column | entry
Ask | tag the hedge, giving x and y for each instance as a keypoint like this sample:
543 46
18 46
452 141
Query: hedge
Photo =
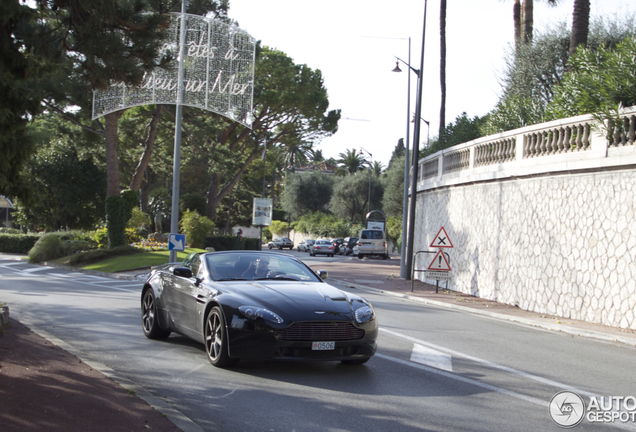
17 243
223 243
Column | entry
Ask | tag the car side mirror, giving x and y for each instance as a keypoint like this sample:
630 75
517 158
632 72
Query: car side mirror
323 274
182 272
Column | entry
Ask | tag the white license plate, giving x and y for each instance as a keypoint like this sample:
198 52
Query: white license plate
323 346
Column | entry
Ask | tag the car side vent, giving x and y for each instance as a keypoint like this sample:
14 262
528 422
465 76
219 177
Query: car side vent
320 331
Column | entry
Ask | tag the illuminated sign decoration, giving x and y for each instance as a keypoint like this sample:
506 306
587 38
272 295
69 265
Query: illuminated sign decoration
218 73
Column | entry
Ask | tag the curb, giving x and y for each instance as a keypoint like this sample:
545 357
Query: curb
96 273
518 320
4 318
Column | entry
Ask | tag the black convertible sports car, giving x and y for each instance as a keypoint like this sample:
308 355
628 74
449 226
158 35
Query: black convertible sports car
257 306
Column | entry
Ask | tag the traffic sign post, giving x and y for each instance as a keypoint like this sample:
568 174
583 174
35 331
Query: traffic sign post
439 268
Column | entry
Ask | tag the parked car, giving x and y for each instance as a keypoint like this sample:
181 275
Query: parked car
347 245
257 306
372 242
337 242
322 247
305 245
281 243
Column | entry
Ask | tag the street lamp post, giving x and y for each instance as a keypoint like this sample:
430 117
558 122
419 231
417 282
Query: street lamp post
370 173
403 272
416 146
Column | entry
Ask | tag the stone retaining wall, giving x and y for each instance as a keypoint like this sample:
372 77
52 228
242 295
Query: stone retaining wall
559 240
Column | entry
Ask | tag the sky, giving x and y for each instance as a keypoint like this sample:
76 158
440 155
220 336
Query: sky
354 43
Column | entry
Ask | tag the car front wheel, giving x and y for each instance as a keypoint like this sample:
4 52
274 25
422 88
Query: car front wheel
216 339
149 319
360 256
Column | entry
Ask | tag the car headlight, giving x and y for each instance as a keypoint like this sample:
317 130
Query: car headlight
254 312
364 314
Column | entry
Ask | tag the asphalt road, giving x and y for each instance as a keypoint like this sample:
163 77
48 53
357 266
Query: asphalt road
435 370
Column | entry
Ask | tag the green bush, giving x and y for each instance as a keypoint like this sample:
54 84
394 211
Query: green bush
4 230
223 243
252 243
50 246
17 243
118 213
267 234
97 255
196 228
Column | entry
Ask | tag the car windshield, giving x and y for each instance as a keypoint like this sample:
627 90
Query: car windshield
257 266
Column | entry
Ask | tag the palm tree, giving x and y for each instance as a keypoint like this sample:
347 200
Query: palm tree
317 156
580 24
377 168
523 16
442 67
352 161
295 153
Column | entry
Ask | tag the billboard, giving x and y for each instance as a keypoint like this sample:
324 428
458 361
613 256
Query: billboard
218 72
262 213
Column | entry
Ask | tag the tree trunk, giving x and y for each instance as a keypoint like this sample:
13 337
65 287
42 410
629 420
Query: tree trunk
215 193
516 16
527 12
144 160
442 68
580 24
112 145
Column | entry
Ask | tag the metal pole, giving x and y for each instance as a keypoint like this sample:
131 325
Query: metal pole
370 174
176 167
263 193
416 145
403 272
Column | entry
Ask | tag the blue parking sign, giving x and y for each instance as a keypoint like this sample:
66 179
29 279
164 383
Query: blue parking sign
176 242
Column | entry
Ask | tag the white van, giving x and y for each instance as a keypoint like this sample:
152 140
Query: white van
373 242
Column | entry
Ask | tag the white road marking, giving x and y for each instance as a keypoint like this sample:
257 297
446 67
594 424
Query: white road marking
466 380
431 357
35 269
526 375
367 281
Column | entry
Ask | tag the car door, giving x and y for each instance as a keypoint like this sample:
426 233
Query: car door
183 297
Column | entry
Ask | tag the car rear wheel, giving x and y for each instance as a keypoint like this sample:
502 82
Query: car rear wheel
360 256
215 337
356 361
149 319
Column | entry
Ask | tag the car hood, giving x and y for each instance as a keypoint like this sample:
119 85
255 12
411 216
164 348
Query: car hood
299 301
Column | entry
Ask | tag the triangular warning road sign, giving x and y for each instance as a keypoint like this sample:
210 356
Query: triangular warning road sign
439 263
441 240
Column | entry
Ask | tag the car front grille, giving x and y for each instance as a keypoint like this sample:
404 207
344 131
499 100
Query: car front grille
320 331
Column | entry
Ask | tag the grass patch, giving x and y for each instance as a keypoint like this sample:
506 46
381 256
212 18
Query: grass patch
141 260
